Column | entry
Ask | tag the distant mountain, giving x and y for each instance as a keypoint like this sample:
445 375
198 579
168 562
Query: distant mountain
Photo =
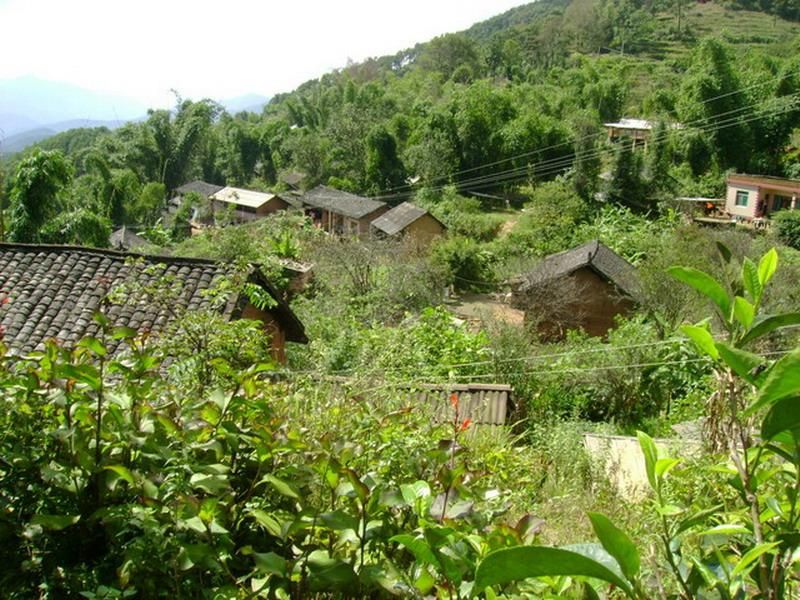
26 99
248 102
21 140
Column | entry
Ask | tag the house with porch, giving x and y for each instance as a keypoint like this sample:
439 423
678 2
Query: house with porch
247 205
342 213
757 197
53 292
638 131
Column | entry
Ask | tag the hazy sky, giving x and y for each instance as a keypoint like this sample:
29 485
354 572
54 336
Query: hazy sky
220 49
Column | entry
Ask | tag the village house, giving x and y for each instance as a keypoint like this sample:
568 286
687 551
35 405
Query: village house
201 188
752 197
411 222
583 288
53 292
636 130
247 205
125 239
342 213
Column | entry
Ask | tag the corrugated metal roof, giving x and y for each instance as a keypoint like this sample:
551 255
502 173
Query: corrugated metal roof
242 197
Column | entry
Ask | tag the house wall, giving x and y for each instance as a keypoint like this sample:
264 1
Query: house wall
597 302
271 328
365 221
272 206
424 230
746 212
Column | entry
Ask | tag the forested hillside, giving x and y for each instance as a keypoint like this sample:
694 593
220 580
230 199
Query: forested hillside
183 453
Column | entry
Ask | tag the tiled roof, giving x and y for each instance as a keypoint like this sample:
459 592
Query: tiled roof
54 291
125 239
595 255
199 187
397 219
342 203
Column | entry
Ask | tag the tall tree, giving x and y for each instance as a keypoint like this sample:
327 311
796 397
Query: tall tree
626 186
38 181
384 169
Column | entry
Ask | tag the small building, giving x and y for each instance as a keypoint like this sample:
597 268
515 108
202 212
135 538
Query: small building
409 221
124 239
342 213
201 188
582 288
293 179
53 292
636 130
248 205
752 197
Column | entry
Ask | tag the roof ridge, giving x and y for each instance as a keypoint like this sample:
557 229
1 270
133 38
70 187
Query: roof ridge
109 252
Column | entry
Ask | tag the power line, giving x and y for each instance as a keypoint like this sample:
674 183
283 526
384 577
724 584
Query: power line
593 135
569 157
562 163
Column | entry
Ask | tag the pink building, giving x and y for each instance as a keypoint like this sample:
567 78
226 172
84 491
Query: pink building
756 197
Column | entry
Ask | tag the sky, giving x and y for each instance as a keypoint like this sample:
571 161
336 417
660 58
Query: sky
222 49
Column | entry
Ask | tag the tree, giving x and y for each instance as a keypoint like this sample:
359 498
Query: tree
149 204
710 95
447 53
384 169
80 226
626 186
39 180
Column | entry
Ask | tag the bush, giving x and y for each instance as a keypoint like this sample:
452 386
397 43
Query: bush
787 226
468 264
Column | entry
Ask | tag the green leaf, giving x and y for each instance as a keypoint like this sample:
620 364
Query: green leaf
743 311
281 487
726 529
706 285
665 465
123 333
326 573
697 518
782 381
769 325
724 252
55 522
123 473
767 266
521 562
93 344
339 520
418 547
411 492
752 556
702 338
617 543
742 362
650 458
784 415
751 281
270 563
268 522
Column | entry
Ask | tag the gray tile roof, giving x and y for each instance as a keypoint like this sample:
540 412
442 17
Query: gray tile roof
595 255
125 239
54 291
397 219
342 203
199 187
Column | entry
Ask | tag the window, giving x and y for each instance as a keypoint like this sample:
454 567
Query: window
781 202
741 197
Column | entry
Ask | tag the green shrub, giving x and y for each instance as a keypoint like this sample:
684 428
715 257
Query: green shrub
787 226
468 264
